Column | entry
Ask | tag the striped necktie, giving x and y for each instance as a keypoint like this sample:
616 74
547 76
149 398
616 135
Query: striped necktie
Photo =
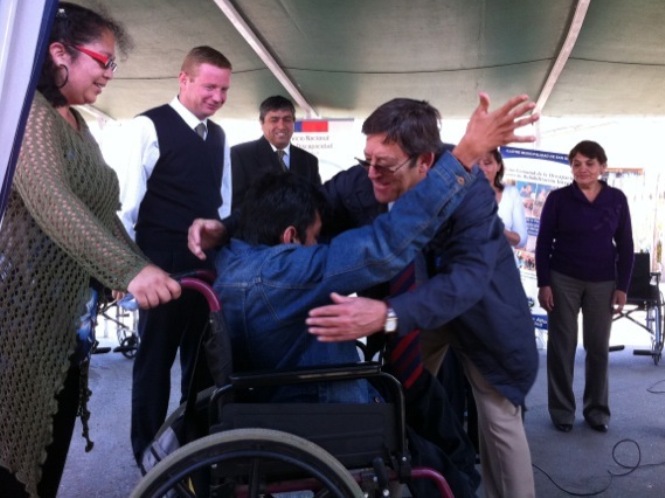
404 355
280 159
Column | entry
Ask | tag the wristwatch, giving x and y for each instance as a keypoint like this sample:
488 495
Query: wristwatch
390 325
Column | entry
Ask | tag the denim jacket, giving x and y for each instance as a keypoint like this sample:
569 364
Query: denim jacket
266 292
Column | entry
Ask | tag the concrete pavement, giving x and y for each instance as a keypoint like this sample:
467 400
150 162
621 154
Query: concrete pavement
579 463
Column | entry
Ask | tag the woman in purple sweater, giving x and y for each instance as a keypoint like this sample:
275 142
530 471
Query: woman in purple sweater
584 258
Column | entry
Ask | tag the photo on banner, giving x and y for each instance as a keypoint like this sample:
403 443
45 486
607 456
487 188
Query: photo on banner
535 173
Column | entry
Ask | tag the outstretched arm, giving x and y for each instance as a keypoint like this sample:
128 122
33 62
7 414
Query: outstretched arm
350 318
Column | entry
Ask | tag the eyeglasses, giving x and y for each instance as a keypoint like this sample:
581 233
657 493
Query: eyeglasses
389 170
105 61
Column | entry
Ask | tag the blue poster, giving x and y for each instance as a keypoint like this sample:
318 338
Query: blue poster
535 174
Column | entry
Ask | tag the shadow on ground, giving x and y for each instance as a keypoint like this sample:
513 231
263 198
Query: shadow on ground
579 463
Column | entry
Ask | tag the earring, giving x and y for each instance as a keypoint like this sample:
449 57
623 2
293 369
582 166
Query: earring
62 67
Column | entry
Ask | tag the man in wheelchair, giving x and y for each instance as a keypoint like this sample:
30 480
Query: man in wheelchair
274 271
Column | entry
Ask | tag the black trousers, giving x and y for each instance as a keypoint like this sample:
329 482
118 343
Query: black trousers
163 331
438 440
452 377
56 453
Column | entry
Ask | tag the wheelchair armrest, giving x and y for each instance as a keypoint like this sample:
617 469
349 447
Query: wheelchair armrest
265 378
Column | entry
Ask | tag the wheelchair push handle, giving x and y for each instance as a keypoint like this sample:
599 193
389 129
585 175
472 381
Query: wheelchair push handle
196 280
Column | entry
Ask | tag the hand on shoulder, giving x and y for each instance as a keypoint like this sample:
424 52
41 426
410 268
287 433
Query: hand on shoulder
205 234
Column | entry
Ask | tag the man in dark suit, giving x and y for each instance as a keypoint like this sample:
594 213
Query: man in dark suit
272 152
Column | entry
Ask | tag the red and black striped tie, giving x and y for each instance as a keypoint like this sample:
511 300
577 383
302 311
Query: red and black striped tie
404 356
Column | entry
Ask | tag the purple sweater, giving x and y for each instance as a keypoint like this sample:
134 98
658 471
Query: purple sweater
591 241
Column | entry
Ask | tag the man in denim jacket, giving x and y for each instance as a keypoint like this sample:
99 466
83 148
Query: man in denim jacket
268 283
273 272
269 287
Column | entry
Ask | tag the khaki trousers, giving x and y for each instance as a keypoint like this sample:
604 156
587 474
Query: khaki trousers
504 451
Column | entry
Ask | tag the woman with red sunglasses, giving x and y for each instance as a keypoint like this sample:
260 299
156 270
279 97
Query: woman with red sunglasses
59 232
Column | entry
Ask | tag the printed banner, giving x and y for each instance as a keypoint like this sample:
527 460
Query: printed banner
535 173
333 141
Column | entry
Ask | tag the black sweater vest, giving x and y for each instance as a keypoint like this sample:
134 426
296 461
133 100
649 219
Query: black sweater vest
185 183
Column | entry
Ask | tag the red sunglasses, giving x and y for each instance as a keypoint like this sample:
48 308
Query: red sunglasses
105 61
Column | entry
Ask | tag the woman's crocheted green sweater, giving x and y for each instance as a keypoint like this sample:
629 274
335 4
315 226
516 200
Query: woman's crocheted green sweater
60 228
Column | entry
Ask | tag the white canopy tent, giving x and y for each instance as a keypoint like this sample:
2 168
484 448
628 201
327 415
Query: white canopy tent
595 67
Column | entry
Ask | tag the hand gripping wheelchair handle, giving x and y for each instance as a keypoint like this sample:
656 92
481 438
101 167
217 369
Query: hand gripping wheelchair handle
197 280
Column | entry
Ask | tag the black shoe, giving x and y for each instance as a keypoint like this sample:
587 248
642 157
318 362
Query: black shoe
599 427
564 427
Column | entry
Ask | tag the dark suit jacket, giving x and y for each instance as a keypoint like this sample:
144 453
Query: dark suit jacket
474 283
250 160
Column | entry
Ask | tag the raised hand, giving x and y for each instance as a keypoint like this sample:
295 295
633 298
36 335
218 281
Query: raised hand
488 130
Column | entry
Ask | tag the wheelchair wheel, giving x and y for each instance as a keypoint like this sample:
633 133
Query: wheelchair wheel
250 463
127 331
129 346
657 341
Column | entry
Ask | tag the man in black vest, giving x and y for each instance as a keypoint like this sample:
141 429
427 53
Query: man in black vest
273 151
174 169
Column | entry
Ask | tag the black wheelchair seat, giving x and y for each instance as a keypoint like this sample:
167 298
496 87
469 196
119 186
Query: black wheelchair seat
354 434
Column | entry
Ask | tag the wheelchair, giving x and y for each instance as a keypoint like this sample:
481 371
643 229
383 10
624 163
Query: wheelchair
125 323
103 308
222 443
644 305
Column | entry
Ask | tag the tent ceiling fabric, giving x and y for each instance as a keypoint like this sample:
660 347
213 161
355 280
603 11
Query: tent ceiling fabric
348 56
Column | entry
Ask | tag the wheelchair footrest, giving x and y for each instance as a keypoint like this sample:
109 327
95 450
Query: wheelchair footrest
644 352
124 349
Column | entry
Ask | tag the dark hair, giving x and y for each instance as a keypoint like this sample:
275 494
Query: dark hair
275 103
76 25
204 55
275 202
498 179
590 149
411 124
